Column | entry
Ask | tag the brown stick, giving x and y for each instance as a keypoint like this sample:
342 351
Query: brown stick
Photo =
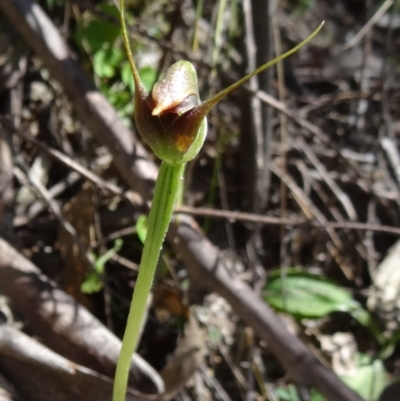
206 268
62 324
42 375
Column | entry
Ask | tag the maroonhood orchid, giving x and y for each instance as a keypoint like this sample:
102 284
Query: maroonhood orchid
172 121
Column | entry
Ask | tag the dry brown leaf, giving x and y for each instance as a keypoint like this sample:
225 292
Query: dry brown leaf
79 212
185 360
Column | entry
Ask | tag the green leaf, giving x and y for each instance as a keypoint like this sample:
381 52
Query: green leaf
93 282
127 77
289 393
389 344
103 259
306 295
119 97
95 32
315 396
148 75
363 317
106 61
369 379
141 227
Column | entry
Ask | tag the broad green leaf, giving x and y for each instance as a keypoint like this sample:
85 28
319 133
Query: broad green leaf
306 295
369 379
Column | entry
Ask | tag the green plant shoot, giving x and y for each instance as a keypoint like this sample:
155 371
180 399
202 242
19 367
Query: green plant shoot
172 121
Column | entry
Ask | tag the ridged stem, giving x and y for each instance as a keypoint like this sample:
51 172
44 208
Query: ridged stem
165 193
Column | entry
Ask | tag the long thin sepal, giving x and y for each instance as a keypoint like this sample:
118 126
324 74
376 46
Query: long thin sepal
207 105
138 82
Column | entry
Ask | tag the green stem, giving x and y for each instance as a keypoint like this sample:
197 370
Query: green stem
165 192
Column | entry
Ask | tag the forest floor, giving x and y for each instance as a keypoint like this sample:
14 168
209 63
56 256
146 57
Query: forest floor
280 276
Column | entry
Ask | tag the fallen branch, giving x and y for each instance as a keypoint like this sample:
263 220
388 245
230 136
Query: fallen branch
42 375
62 324
208 271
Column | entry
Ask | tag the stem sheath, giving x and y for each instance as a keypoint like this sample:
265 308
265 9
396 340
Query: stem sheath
165 192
